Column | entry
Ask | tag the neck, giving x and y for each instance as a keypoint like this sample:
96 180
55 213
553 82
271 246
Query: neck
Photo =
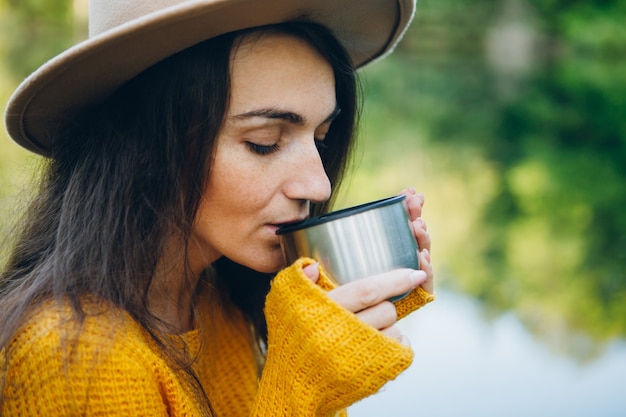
172 302
170 296
171 293
176 312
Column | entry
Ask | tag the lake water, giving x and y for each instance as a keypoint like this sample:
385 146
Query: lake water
465 366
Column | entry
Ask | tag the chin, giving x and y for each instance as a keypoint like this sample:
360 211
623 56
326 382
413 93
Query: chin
270 268
268 264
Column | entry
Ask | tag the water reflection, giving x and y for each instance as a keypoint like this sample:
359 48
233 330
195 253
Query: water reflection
468 367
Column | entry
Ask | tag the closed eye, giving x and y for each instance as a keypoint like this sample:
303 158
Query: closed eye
262 149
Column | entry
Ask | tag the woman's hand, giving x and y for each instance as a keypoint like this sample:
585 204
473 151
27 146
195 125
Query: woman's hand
414 203
368 297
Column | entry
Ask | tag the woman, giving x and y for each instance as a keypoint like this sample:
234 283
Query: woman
140 281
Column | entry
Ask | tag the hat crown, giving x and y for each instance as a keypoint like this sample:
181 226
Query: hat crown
108 14
128 36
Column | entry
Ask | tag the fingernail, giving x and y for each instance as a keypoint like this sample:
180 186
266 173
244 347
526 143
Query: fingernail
426 254
312 271
417 277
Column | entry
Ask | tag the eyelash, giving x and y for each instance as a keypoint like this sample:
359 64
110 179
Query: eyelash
269 149
263 149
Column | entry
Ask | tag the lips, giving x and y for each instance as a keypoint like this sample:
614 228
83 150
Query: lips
290 222
277 226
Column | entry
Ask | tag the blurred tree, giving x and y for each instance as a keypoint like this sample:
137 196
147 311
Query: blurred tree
31 31
537 89
36 30
570 122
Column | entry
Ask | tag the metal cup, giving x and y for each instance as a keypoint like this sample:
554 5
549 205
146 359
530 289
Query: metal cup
356 242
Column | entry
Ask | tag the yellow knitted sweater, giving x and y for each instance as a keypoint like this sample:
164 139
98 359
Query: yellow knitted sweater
320 359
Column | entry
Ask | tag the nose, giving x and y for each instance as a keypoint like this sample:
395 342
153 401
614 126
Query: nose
308 180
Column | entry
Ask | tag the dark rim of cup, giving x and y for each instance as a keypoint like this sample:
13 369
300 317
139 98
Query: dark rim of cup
350 211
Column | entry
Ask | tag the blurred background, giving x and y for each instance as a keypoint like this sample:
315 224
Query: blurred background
510 116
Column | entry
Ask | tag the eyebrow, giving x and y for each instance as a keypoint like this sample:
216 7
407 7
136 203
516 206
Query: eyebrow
273 113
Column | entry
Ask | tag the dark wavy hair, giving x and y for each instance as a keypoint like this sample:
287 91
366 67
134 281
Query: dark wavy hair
127 176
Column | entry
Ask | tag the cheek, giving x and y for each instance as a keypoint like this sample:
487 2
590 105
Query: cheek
233 172
248 182
232 196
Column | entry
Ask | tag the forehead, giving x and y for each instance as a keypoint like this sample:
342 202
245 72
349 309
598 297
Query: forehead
271 44
277 70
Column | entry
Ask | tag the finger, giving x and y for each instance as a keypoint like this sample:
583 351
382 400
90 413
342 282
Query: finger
395 333
408 192
426 266
380 316
415 206
312 271
413 202
363 293
420 231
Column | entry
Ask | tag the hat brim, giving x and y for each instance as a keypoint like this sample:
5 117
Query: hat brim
94 68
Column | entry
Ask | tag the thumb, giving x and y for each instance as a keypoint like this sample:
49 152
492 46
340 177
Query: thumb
312 271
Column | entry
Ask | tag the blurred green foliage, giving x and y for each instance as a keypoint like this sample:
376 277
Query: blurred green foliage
34 30
535 90
509 115
31 31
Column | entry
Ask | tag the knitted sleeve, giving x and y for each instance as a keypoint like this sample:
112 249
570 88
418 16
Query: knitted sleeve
321 358
45 376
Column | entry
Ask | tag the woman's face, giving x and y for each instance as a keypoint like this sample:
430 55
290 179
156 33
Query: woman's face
266 168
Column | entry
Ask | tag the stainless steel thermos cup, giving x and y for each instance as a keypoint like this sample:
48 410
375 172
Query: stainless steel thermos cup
356 242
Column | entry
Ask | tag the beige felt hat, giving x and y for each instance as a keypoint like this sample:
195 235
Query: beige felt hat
128 36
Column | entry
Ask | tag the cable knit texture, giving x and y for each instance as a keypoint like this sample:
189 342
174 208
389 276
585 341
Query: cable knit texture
320 359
